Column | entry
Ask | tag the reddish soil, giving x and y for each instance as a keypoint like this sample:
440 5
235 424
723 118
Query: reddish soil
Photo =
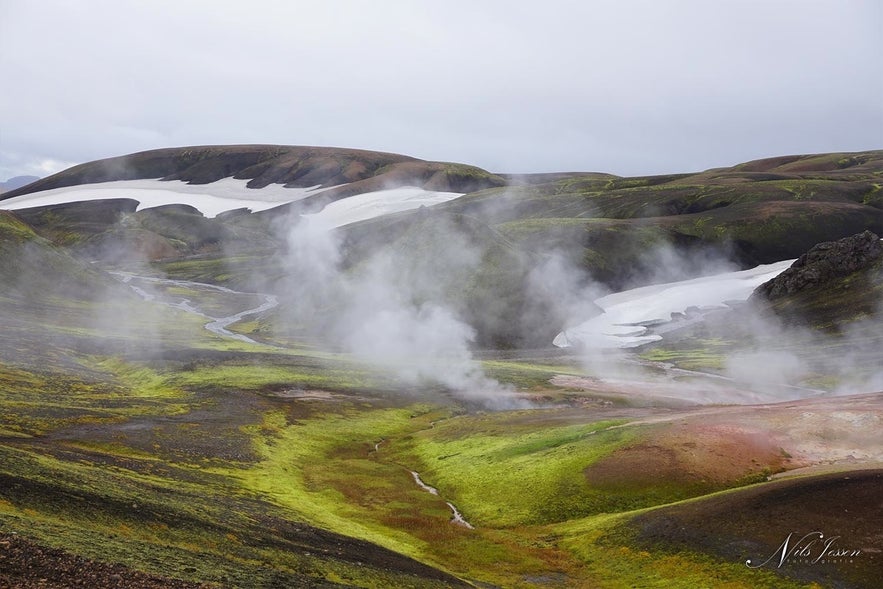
711 455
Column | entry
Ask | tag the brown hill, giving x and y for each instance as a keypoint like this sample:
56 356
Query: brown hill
262 165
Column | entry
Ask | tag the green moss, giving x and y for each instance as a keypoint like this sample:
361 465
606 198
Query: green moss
302 470
14 230
874 197
526 376
139 380
502 474
688 359
262 377
109 391
328 470
197 531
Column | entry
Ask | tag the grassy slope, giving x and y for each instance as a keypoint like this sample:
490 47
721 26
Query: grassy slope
197 462
516 476
207 460
156 490
144 467
767 514
758 212
109 432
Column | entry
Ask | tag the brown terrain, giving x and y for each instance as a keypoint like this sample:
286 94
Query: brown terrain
26 565
841 512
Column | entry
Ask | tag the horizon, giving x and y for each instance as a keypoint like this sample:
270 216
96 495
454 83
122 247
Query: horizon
499 172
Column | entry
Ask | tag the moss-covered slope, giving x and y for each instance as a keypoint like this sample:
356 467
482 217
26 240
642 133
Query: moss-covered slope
610 229
757 212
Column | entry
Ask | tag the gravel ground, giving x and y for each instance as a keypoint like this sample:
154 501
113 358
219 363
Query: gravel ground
25 565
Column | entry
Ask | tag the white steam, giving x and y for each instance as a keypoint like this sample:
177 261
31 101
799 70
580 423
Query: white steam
386 313
564 290
762 369
390 310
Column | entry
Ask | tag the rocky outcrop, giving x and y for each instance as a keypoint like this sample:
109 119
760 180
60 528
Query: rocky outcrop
823 263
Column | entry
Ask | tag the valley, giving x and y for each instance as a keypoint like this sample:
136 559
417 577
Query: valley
372 398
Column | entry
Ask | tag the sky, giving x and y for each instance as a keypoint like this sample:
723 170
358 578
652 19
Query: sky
623 86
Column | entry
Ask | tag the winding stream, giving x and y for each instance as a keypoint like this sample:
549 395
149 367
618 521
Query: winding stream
457 517
216 325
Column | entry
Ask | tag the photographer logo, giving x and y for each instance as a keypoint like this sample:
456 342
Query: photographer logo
810 549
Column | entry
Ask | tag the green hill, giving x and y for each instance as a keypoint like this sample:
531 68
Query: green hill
609 228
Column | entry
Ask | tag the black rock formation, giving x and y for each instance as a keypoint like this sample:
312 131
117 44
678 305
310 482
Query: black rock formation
823 263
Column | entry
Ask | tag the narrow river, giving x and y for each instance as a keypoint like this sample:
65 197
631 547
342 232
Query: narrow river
457 517
216 325
219 325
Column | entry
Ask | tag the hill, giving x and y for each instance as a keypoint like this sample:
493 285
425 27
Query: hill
262 165
610 231
313 411
17 182
753 213
833 284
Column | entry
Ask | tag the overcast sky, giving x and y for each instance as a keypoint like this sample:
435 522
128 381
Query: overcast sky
627 87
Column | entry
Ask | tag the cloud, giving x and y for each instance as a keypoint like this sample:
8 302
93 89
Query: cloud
15 164
627 87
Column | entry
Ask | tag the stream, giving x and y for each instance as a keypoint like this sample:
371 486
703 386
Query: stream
457 517
219 325
216 325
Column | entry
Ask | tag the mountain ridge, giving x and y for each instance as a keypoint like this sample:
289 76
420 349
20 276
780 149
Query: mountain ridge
262 165
609 229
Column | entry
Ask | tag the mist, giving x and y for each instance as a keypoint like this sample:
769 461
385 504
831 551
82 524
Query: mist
416 304
747 352
398 309
389 311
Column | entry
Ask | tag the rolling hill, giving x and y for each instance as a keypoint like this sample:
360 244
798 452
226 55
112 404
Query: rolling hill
615 232
271 366
757 212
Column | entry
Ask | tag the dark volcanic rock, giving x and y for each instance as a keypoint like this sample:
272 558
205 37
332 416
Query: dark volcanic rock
823 263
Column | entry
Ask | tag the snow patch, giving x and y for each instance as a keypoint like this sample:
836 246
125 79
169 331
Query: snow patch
627 315
229 194
210 199
375 204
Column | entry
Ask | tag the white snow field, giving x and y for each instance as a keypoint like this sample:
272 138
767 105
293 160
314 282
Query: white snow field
624 322
210 199
229 194
375 204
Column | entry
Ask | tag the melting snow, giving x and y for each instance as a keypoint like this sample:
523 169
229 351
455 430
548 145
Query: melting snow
210 199
229 194
375 204
623 324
